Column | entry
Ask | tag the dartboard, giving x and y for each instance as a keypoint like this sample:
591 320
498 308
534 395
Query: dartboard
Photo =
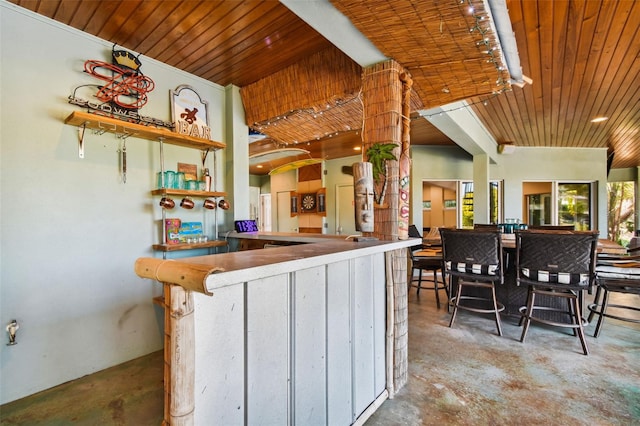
308 201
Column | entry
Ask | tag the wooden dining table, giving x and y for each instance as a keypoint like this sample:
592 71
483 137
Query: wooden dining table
605 246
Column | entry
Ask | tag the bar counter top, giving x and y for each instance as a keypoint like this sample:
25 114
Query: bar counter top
207 273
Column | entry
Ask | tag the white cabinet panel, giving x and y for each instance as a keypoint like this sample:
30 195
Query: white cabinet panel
267 350
309 346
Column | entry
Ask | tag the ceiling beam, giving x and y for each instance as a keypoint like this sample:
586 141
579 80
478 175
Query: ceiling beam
461 124
335 27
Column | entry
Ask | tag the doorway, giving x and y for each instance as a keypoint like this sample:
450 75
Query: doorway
345 210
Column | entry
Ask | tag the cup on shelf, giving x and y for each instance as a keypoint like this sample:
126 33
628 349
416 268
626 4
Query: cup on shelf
167 203
169 179
179 182
202 185
187 203
209 204
191 185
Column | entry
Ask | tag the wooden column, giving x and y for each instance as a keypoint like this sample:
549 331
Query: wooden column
382 110
386 89
179 356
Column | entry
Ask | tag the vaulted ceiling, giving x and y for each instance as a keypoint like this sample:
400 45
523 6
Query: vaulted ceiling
583 58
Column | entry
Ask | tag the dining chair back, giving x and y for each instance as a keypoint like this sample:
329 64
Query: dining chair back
555 264
473 258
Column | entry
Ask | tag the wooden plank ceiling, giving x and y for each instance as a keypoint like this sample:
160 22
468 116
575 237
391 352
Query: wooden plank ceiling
583 58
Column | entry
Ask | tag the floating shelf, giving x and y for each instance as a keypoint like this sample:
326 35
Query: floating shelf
187 192
187 246
113 125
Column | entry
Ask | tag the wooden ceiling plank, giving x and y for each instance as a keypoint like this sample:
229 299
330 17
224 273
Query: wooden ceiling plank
625 106
205 51
274 37
196 33
558 49
532 30
113 28
101 16
571 39
180 34
83 15
66 11
281 52
174 25
545 22
585 30
621 64
594 68
234 25
48 8
149 17
525 106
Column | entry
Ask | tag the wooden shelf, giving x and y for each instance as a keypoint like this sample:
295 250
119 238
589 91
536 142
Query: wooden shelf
113 125
187 192
185 246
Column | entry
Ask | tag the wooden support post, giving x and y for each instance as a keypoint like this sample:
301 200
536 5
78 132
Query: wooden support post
179 355
405 159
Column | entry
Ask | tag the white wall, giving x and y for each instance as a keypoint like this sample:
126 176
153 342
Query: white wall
280 183
526 164
70 229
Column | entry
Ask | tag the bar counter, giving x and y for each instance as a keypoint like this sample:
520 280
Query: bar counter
284 335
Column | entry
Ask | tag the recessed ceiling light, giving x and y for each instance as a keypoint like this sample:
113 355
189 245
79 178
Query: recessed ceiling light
357 148
259 166
599 119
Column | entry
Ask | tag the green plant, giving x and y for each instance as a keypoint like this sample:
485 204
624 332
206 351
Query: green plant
377 155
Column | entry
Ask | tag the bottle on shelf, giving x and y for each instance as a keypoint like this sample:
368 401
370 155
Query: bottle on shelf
207 180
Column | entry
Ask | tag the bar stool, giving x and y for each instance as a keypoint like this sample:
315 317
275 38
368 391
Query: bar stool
614 274
473 258
432 264
555 265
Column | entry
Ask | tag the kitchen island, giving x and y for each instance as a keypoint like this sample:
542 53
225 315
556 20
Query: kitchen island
300 334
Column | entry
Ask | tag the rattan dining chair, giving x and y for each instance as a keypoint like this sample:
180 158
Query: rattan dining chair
473 258
556 266
618 274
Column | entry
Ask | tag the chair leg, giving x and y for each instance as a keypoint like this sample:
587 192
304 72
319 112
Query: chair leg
435 286
596 299
578 321
455 304
495 308
522 315
527 314
572 314
603 310
446 287
449 286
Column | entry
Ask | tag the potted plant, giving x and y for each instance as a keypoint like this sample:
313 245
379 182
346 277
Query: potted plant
377 155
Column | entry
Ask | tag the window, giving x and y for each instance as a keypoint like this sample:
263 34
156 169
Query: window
574 205
466 203
559 203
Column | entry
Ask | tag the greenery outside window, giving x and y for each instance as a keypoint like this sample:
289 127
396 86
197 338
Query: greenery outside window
466 203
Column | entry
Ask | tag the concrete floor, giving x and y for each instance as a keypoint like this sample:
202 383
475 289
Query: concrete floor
465 375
